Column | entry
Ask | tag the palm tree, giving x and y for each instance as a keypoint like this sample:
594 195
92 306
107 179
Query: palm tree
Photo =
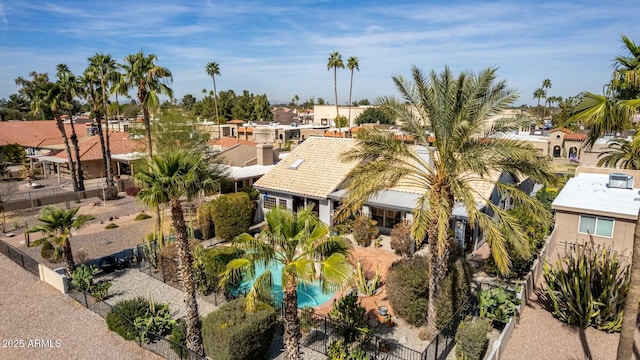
539 94
71 87
603 114
352 64
56 225
296 241
166 179
141 73
53 97
449 171
630 311
546 85
213 69
118 87
335 62
621 153
626 75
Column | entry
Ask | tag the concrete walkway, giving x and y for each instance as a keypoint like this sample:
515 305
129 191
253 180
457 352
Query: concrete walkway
32 310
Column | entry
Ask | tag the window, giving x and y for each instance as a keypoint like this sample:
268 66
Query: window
596 225
282 203
269 202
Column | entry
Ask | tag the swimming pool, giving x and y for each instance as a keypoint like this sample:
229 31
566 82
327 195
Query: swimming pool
308 294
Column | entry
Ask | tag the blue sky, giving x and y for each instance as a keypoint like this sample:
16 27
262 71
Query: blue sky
281 47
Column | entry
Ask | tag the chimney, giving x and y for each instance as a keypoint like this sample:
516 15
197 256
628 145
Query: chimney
264 154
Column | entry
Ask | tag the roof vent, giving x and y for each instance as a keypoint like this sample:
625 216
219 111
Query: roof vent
296 164
620 181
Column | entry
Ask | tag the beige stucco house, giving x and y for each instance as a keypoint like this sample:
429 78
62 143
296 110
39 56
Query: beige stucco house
600 202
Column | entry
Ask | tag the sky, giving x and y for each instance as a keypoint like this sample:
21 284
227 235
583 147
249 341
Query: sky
281 48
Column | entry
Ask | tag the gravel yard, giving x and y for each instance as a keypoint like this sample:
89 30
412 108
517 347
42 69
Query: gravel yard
31 309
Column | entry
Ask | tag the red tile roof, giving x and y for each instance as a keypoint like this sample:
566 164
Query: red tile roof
41 133
236 121
564 130
575 137
119 143
227 142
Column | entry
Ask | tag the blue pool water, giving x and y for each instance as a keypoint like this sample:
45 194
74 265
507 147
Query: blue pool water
308 294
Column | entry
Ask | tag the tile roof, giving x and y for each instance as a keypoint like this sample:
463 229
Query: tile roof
227 142
320 173
564 130
119 143
236 121
40 133
575 137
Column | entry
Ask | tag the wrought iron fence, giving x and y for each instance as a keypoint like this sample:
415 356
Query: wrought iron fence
157 344
20 258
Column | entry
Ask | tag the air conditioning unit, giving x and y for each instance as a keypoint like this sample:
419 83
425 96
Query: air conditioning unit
620 181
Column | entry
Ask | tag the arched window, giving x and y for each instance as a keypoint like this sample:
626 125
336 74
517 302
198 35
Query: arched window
556 151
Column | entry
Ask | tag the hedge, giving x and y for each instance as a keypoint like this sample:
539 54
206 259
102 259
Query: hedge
232 215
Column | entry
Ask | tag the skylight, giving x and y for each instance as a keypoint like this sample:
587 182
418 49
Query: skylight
296 164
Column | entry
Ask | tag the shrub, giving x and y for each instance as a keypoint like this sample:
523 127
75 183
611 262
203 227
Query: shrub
349 317
169 261
82 277
499 305
203 217
100 290
401 240
132 190
158 322
230 333
364 230
179 338
471 338
454 292
111 226
232 215
121 317
588 287
408 289
343 228
208 265
253 193
338 350
307 319
366 287
142 216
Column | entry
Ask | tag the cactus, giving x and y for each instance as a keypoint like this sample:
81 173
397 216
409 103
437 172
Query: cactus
364 286
588 287
151 249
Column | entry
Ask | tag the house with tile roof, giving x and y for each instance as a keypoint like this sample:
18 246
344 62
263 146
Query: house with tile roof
314 174
601 203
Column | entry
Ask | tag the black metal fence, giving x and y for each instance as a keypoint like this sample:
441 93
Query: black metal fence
20 258
157 344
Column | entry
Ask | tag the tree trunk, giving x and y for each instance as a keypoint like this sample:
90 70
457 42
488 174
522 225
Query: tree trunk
102 143
68 258
215 104
291 321
350 91
65 140
630 312
335 91
106 151
74 141
147 131
185 264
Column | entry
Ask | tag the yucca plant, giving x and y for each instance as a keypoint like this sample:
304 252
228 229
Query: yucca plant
366 287
588 287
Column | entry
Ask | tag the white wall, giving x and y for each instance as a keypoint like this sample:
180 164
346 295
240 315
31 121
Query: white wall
55 278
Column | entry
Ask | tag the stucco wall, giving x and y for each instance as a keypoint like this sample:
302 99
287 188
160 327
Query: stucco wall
53 278
567 231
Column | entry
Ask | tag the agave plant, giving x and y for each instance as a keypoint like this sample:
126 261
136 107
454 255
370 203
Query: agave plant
367 287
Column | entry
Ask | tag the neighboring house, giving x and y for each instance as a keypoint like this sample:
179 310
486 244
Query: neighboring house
313 174
324 115
600 202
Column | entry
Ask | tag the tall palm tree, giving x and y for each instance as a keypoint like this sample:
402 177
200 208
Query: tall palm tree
335 62
71 87
53 97
352 64
297 241
166 179
626 75
213 69
141 73
102 68
621 153
56 225
118 87
539 94
546 85
449 170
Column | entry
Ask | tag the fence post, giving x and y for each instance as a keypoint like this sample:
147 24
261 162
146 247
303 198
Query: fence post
86 302
435 356
326 335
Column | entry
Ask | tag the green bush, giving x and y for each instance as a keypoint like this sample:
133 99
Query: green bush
82 277
203 217
588 287
349 318
142 216
338 350
230 333
364 230
158 322
253 193
111 226
471 338
401 240
232 215
179 338
408 289
123 314
100 290
208 265
454 292
499 305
